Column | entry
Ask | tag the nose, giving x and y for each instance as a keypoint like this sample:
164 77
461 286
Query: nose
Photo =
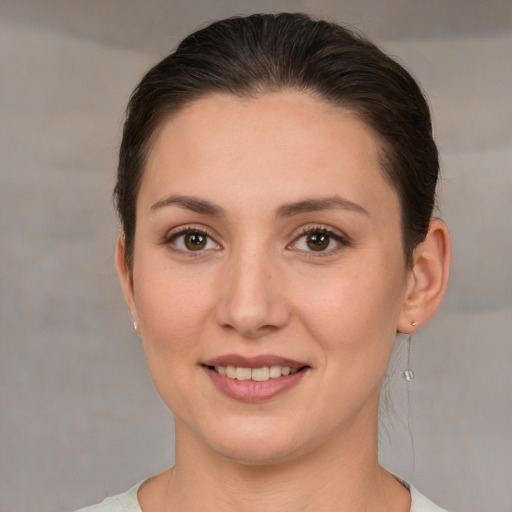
252 299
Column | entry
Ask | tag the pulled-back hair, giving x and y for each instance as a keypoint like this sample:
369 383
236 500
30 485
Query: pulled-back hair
248 56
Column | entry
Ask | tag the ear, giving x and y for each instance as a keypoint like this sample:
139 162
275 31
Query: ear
125 277
427 278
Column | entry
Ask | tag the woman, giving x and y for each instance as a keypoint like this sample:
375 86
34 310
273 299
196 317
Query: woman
276 186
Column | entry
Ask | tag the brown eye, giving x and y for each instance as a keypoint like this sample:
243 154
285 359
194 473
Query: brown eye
318 241
195 241
190 240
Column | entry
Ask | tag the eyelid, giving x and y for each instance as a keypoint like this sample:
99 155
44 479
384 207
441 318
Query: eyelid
177 231
339 237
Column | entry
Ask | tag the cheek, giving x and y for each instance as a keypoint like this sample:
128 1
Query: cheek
172 312
172 308
354 309
353 321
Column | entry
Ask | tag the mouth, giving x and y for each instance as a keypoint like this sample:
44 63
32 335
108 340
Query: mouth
254 379
260 374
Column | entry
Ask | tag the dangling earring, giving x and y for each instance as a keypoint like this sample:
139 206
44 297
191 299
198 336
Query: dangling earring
135 327
408 374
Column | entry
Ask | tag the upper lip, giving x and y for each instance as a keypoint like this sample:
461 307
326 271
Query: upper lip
253 362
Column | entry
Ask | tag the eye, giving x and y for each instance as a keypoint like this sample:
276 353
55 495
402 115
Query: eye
320 240
192 240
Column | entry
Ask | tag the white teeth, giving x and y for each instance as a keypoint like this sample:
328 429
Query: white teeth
275 372
260 374
243 373
257 374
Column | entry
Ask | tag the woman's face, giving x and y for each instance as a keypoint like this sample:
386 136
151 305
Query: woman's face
268 242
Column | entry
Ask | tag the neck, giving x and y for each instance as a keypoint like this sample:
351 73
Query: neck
339 476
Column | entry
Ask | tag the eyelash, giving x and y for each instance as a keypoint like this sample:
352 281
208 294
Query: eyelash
169 240
338 238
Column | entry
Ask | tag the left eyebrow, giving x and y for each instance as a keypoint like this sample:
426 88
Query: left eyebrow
318 205
194 204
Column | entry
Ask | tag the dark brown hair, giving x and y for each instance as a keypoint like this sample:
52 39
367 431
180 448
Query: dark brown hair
247 56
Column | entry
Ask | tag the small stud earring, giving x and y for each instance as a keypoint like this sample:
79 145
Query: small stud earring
135 327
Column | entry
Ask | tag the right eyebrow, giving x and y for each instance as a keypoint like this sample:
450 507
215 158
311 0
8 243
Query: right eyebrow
189 203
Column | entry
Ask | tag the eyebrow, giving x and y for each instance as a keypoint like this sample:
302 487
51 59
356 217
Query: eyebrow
205 207
189 203
318 205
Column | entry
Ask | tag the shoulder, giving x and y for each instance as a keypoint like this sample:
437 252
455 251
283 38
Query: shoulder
126 502
421 504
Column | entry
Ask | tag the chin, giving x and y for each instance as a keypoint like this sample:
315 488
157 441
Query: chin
258 453
260 442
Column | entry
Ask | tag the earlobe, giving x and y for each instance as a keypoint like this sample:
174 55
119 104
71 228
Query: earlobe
125 277
428 277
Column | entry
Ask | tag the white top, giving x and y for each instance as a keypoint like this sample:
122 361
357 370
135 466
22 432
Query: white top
127 502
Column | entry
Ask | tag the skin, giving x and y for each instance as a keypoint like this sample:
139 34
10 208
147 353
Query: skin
257 288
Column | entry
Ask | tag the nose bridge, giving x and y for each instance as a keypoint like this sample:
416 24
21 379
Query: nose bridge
251 301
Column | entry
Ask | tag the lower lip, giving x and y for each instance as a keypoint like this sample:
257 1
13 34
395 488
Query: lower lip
254 391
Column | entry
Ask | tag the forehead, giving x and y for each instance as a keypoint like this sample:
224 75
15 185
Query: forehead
287 118
268 145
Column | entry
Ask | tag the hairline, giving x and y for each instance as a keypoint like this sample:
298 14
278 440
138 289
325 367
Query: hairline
384 148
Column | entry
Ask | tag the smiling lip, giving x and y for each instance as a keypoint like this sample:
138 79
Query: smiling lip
254 390
253 362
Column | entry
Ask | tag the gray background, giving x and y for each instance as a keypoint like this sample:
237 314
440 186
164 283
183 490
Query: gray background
79 417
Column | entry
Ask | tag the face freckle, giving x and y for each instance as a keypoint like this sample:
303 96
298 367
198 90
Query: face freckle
285 244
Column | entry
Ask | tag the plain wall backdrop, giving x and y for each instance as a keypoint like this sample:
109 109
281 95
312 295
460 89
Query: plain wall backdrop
79 418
